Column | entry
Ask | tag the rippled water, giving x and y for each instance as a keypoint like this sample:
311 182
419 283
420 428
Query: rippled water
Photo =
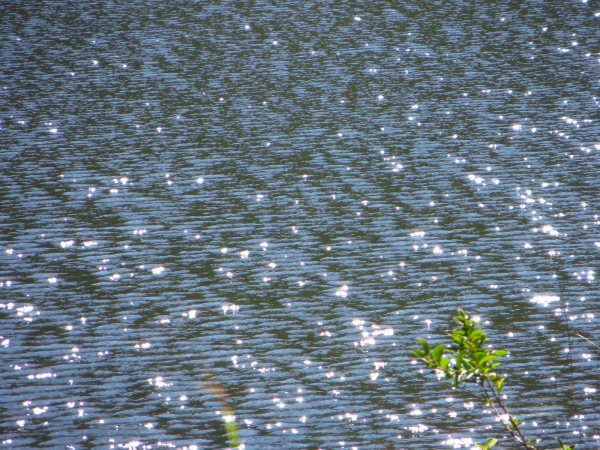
283 197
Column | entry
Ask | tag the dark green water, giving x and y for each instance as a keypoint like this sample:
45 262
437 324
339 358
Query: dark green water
280 162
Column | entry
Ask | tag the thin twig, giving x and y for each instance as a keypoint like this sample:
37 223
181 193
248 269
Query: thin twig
593 343
515 431
569 340
505 409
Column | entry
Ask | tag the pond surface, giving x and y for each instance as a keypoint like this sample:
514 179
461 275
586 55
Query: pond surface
266 204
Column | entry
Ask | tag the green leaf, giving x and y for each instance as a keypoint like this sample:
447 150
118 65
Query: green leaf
458 340
565 446
487 359
459 359
500 384
437 353
514 423
425 344
488 445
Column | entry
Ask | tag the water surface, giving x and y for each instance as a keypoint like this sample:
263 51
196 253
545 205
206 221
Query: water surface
286 197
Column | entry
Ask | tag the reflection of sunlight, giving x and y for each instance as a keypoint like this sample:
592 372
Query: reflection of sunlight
232 307
342 292
458 442
545 299
420 428
67 244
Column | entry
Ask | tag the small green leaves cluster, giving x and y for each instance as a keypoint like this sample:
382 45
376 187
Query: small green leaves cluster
468 358
488 445
471 359
565 446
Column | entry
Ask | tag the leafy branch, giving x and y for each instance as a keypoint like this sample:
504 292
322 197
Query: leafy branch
469 359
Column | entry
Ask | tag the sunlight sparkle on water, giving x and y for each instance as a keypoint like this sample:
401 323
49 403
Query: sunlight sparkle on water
458 442
342 292
545 299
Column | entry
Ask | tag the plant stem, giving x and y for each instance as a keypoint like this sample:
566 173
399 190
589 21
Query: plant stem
515 431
